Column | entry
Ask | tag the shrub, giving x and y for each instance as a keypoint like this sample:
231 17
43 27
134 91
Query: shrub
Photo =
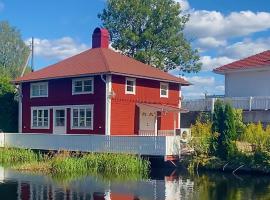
201 137
257 136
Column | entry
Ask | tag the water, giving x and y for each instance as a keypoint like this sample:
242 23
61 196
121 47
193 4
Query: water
162 186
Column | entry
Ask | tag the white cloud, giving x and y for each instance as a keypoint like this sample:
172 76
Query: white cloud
246 48
209 63
198 80
202 85
205 23
57 49
2 6
210 42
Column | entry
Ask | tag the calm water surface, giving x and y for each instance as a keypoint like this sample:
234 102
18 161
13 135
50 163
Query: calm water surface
161 186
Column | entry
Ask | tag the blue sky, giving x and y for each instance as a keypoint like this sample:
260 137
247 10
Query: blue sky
222 30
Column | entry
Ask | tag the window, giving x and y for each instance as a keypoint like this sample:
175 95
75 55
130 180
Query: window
82 117
60 117
83 86
130 85
164 90
39 89
40 118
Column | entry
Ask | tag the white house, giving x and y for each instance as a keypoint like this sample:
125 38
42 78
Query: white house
248 77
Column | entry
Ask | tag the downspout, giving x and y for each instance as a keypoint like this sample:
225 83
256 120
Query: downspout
107 82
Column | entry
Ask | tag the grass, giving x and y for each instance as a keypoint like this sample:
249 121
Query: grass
64 162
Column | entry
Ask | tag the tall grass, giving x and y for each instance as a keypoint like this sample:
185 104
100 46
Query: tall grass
80 163
17 156
100 163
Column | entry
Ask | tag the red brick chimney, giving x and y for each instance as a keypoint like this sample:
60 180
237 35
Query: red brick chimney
100 38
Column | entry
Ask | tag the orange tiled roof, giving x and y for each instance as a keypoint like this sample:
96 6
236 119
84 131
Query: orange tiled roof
256 61
99 61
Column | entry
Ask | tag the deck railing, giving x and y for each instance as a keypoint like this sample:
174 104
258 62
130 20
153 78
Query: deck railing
244 103
141 145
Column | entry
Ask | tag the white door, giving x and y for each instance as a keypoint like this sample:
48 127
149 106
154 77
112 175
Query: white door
147 119
59 121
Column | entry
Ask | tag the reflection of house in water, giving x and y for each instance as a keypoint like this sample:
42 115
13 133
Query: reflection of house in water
37 187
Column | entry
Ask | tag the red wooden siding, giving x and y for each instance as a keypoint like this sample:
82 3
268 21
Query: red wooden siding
125 113
60 94
166 121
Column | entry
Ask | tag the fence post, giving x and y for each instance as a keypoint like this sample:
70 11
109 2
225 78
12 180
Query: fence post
250 103
213 104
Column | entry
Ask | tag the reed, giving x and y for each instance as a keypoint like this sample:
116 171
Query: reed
17 156
100 163
64 162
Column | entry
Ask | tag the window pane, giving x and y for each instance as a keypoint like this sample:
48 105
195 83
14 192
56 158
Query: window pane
35 90
131 83
78 89
88 122
129 88
87 88
87 82
39 121
78 86
164 92
40 113
78 83
75 122
43 89
45 113
88 113
82 117
45 121
75 113
60 121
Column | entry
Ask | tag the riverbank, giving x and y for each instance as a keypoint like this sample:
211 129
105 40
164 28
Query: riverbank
74 162
257 163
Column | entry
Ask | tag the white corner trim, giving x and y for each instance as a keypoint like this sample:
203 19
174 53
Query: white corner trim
134 86
83 79
167 85
108 105
39 83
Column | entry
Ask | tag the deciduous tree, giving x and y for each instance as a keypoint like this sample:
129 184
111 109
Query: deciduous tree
152 32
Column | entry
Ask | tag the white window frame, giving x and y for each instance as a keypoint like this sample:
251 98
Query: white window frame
91 107
38 84
32 117
82 79
167 85
134 86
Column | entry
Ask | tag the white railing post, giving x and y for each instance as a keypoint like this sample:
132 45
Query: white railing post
250 103
213 104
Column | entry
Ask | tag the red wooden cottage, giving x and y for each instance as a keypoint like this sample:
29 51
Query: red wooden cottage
100 91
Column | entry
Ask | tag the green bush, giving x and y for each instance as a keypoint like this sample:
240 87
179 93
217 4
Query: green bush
256 135
201 137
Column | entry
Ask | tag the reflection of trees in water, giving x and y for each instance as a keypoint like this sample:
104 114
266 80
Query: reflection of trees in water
229 187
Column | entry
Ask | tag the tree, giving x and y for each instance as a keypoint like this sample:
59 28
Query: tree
152 32
13 51
13 55
224 125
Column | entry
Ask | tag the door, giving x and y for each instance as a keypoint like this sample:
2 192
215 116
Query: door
59 121
147 120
